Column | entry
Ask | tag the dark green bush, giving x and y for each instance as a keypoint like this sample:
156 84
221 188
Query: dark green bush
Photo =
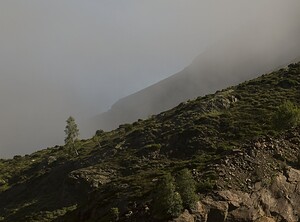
287 116
153 147
114 214
205 186
99 132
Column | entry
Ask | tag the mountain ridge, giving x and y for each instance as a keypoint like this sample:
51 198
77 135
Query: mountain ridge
230 61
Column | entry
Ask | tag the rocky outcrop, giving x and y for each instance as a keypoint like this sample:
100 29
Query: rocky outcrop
280 201
258 181
185 217
89 178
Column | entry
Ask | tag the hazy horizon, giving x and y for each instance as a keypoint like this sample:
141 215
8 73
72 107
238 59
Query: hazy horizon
72 57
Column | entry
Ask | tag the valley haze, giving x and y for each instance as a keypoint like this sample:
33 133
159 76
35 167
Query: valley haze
72 57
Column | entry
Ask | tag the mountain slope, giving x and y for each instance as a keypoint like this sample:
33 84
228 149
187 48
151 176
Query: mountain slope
231 61
227 139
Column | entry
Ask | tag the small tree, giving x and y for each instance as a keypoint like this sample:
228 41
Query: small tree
167 202
187 188
72 133
287 116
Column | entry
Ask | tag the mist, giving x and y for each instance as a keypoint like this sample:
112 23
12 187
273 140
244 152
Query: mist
71 57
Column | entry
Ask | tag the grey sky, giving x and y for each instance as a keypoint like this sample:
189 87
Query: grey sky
74 57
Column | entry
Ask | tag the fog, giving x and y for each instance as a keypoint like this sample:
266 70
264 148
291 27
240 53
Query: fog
72 57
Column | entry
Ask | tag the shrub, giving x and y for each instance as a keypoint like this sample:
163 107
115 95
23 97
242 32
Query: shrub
205 186
287 116
114 214
153 147
99 132
127 127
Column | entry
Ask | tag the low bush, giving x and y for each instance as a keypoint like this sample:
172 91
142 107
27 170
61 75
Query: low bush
287 116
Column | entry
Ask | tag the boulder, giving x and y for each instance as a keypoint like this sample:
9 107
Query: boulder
217 210
200 212
185 217
265 219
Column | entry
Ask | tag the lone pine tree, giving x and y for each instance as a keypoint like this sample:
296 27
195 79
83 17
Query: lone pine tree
72 133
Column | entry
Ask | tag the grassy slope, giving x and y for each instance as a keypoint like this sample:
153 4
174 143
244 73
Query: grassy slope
129 160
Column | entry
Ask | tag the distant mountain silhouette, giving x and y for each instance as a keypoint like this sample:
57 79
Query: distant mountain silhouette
228 62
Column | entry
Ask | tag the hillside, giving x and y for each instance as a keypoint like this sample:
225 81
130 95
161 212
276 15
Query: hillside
243 56
244 169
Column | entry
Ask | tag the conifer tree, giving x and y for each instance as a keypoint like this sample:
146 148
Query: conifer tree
187 188
72 133
167 202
